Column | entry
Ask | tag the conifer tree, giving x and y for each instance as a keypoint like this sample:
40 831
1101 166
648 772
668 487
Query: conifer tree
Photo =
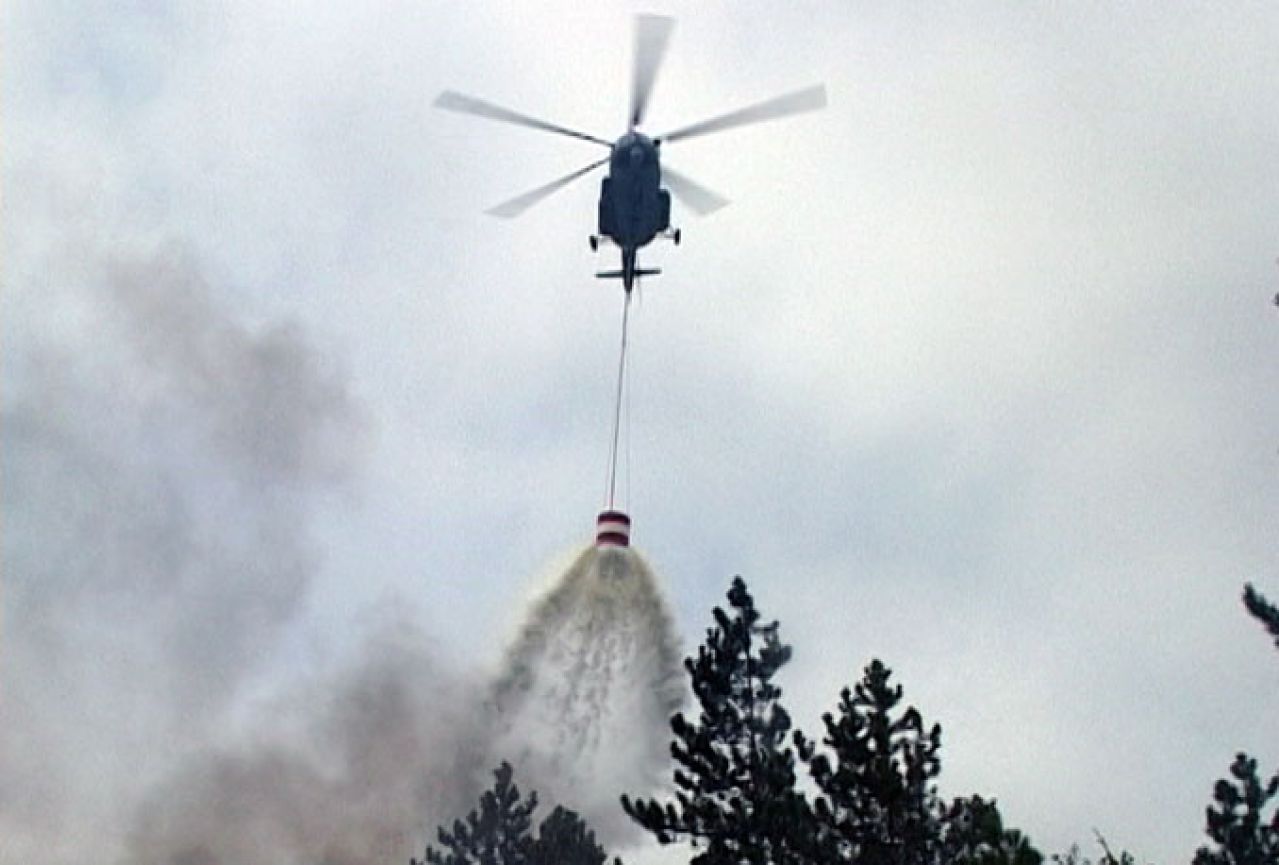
736 799
973 833
1242 831
563 838
879 803
1237 822
497 833
1261 609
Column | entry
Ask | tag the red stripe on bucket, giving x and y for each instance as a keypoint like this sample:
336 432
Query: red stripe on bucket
613 529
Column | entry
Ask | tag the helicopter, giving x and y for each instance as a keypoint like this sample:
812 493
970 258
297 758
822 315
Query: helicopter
634 208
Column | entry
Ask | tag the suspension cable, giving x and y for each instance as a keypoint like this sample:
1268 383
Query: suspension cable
617 404
626 432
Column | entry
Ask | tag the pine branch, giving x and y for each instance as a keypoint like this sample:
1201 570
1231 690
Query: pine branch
1262 610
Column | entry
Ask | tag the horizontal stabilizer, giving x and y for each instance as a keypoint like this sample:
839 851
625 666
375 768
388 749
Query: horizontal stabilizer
621 274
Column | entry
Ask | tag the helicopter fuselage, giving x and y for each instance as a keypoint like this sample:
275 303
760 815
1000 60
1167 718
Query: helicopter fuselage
633 207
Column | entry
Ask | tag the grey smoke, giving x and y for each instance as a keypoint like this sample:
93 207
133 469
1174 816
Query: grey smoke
159 462
363 766
162 461
349 770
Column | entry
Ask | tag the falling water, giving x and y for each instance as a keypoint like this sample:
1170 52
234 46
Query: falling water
583 702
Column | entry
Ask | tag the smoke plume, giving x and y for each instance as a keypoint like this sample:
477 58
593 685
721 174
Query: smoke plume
355 768
362 767
162 462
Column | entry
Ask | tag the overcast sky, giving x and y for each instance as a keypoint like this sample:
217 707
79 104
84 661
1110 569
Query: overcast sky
976 375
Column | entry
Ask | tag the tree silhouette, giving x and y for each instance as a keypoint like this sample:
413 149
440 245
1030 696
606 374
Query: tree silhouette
498 833
1238 825
1236 819
735 773
973 833
563 838
879 803
1264 611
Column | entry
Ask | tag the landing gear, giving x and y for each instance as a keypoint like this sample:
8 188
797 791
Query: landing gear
595 243
676 237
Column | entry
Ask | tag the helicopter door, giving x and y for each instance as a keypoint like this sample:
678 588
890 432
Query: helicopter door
606 209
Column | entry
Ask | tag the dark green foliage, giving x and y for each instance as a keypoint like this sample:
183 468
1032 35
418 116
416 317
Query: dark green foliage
973 833
879 802
1237 822
1241 831
736 799
1264 611
498 833
563 838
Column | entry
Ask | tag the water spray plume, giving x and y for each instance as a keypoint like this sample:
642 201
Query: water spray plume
582 705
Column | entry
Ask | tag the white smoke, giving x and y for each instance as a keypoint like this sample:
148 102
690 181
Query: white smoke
590 682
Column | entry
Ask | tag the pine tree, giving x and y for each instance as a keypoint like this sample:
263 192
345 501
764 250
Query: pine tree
973 833
879 803
1236 819
1238 825
736 799
563 838
497 833
1264 611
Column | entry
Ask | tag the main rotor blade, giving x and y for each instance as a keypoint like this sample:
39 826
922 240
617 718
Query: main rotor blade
519 204
808 99
652 32
696 196
451 101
